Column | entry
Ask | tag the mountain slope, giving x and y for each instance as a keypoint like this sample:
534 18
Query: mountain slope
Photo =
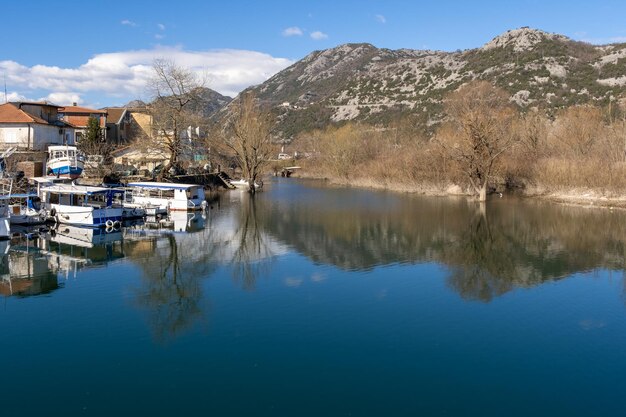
365 83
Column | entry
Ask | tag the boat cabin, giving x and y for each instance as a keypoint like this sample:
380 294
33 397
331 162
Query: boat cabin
168 195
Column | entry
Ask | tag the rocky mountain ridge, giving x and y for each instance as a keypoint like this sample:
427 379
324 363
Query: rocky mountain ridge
363 83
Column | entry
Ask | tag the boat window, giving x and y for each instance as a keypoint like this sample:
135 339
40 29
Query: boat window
78 200
36 203
54 198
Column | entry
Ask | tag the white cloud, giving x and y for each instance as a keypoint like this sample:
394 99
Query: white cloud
381 18
63 98
161 26
123 75
128 23
317 35
159 36
292 31
13 96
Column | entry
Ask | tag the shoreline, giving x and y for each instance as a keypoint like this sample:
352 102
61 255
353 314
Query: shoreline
576 197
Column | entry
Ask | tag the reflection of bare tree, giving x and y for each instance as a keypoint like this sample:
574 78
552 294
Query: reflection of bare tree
253 253
174 267
482 265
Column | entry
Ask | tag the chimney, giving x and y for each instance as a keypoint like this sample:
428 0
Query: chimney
74 104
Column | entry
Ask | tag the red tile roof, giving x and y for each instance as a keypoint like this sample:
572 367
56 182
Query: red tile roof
115 114
11 114
81 121
78 109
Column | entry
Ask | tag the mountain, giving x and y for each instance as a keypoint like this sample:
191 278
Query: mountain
135 104
211 101
364 83
208 102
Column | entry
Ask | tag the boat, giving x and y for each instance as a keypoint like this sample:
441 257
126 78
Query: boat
6 185
245 184
25 209
64 161
82 205
165 196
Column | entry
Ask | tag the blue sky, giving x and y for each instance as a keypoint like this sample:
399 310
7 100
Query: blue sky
99 52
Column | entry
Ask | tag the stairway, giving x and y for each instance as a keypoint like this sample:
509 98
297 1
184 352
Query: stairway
225 180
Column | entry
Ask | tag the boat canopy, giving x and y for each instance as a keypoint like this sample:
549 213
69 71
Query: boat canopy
80 189
162 185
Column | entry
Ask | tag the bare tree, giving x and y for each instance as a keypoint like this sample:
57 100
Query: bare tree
176 103
247 135
479 131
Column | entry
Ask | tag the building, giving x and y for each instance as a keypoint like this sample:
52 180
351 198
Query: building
32 126
126 124
79 117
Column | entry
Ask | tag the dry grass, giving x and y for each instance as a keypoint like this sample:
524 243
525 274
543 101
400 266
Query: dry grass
577 154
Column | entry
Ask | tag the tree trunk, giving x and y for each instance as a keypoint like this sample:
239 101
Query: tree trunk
482 194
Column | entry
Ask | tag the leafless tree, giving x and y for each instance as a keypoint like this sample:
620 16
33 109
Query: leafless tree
248 136
479 131
176 103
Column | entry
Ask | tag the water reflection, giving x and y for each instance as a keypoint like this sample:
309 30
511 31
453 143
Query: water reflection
489 250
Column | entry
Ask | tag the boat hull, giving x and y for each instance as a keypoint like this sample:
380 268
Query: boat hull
5 228
86 216
65 171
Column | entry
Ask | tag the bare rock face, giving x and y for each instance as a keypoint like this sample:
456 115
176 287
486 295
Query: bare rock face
523 39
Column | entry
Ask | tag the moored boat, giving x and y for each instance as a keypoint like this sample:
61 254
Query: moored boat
26 209
64 161
82 205
164 196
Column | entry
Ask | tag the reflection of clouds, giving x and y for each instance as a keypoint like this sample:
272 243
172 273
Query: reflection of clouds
590 324
293 282
317 277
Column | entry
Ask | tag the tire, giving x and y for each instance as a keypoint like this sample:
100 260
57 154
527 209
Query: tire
109 224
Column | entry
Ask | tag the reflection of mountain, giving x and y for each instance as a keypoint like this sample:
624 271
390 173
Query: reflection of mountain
510 244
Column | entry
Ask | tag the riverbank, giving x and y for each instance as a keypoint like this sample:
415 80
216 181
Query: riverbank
573 196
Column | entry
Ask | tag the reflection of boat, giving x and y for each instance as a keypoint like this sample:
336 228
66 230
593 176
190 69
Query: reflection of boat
186 222
167 196
83 236
64 161
82 205
26 209
245 184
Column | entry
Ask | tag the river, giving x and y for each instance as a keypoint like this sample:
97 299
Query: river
309 300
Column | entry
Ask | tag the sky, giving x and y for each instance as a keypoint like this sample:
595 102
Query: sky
99 53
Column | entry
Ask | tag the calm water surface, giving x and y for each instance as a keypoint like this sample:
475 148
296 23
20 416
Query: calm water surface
313 301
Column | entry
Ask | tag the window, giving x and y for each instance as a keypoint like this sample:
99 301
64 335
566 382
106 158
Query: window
10 136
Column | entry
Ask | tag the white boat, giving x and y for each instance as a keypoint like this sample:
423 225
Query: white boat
25 209
245 184
167 196
82 205
64 161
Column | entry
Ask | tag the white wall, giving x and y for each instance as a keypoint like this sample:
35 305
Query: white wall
40 136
